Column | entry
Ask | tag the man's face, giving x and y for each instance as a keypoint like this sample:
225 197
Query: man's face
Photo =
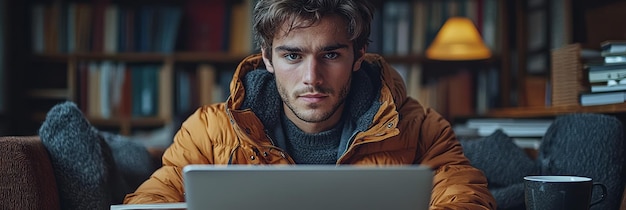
313 68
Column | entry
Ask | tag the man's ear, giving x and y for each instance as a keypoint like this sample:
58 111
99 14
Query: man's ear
359 60
267 61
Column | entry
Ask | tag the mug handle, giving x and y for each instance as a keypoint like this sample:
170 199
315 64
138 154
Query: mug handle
602 197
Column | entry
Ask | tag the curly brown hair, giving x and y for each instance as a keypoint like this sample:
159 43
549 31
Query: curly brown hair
270 15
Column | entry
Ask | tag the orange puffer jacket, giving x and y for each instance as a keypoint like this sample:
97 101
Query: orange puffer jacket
401 132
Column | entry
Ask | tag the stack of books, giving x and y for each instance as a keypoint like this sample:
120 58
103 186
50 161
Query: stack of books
526 133
607 79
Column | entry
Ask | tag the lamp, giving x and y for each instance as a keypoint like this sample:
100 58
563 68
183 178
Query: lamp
458 40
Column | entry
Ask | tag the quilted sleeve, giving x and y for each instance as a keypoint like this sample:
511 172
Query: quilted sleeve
456 184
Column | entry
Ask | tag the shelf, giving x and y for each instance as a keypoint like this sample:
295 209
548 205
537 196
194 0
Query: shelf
405 58
134 122
38 116
60 93
216 57
529 112
421 58
125 125
144 57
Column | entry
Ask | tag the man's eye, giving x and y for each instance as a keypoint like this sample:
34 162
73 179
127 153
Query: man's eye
292 57
331 55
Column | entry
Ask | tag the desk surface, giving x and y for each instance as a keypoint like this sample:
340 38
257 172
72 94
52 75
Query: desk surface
150 206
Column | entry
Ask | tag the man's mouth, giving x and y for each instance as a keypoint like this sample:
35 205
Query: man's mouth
313 97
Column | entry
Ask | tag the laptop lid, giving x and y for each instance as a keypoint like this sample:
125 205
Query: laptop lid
307 187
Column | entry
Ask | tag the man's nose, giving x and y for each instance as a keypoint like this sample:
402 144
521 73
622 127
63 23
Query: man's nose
312 72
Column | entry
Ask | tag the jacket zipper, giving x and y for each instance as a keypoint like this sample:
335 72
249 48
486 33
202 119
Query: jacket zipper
282 153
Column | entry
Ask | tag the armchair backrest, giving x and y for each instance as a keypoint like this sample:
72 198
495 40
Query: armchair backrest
590 145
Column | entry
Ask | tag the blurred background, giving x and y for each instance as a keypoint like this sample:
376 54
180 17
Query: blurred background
140 67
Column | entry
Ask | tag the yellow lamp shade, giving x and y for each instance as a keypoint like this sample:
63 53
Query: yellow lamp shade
458 39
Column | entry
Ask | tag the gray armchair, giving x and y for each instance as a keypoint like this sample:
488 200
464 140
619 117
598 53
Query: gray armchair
590 145
581 144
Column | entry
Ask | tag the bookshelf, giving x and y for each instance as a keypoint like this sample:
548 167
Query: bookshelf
572 25
85 51
125 123
404 29
42 75
60 58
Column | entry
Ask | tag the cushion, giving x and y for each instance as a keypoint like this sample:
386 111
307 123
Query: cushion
132 160
504 164
85 160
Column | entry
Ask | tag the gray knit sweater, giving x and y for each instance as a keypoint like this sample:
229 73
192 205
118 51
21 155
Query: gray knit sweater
361 106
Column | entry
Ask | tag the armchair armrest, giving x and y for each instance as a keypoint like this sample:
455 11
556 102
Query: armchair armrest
26 176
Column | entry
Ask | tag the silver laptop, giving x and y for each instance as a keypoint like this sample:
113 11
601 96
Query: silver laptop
307 187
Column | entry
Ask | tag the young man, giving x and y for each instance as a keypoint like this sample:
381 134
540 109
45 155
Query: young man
314 97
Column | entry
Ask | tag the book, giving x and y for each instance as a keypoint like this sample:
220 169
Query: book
414 84
403 70
206 75
205 21
183 88
106 72
460 94
164 90
615 59
125 105
51 23
222 88
403 29
419 27
390 27
117 87
93 87
535 90
613 46
527 143
510 126
169 21
605 72
98 25
145 86
435 21
603 98
376 35
83 27
150 91
146 29
607 88
37 28
241 41
63 30
111 27
489 25
82 75
127 30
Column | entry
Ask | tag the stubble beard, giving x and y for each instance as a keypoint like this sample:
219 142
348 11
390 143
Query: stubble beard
315 118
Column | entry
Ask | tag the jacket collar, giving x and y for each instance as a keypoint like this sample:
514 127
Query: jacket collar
378 117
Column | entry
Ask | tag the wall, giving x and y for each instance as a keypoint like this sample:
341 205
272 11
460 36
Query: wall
605 22
4 121
2 65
